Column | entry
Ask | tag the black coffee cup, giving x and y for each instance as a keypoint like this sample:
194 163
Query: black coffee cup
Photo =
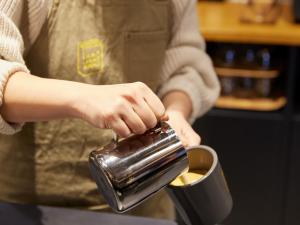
201 196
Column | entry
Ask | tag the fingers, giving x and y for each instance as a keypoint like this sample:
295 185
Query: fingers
145 113
121 117
189 137
164 118
194 139
155 105
183 129
133 121
151 99
119 127
131 108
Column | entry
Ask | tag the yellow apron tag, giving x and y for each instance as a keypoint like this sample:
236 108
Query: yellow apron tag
90 57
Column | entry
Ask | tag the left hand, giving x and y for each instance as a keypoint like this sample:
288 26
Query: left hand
183 129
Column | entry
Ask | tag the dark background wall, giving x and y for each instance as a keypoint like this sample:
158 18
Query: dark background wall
260 154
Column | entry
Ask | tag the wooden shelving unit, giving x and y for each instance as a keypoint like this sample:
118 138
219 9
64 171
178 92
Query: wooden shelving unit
259 151
220 22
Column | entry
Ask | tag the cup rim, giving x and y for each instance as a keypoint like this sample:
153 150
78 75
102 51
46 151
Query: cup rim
209 172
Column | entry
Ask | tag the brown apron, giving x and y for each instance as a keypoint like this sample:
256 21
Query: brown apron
90 41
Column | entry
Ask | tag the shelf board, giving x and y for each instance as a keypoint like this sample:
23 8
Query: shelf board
257 104
233 72
220 22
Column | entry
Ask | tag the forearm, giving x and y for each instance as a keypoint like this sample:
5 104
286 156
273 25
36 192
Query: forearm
178 102
125 108
29 98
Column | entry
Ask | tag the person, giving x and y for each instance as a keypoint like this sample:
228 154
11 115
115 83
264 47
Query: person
82 69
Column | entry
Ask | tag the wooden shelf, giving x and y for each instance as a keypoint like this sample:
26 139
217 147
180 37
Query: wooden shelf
259 104
220 22
233 72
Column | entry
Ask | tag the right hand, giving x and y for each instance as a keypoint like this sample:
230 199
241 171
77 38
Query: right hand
124 108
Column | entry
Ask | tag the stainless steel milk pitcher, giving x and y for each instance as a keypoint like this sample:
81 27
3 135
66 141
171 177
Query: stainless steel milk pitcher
129 171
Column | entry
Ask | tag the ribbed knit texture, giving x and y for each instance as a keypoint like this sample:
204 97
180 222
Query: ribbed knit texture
38 10
6 69
11 43
186 68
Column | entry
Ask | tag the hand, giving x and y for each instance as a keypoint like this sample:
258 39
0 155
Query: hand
183 129
125 108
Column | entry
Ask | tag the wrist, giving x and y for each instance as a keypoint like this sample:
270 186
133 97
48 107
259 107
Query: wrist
179 103
75 99
175 113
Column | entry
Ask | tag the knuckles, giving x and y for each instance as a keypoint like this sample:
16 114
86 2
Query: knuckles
119 105
140 86
109 115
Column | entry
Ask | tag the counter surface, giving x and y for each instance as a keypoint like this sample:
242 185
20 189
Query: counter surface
14 214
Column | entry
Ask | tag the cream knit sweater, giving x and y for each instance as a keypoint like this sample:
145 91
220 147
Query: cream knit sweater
187 67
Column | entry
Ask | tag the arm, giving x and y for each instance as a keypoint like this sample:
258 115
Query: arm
125 108
11 50
192 88
29 98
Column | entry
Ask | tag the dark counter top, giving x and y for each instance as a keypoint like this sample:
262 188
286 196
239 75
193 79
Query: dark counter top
15 214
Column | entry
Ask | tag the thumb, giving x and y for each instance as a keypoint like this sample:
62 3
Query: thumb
165 117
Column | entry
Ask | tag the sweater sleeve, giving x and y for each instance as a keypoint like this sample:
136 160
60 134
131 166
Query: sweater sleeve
187 67
11 50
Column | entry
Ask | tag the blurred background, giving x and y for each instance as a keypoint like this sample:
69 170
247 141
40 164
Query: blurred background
255 125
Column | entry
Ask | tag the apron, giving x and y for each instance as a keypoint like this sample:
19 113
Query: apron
97 42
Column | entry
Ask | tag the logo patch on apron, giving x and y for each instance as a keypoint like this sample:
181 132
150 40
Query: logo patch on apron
90 57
